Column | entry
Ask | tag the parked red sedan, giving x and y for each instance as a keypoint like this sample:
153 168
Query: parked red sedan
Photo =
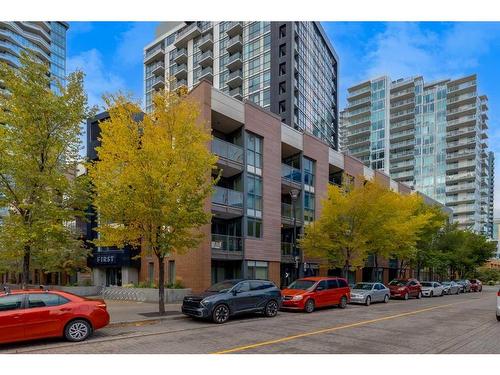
37 314
405 288
311 292
476 285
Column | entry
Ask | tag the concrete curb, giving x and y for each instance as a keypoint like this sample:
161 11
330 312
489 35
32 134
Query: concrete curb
144 321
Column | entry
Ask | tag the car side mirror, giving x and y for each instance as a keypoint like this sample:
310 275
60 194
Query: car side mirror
235 292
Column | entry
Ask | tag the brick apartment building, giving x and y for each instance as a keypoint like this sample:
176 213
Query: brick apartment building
251 234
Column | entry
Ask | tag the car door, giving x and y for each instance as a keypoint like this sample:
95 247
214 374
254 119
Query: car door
333 288
242 298
11 318
322 295
379 292
258 292
413 288
46 314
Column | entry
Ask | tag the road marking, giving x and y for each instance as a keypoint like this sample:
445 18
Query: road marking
333 329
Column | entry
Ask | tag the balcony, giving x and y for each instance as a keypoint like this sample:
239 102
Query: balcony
464 209
189 32
462 121
402 145
359 151
401 155
180 83
291 174
364 91
403 93
206 59
468 176
236 93
403 104
359 111
226 247
359 142
461 188
181 56
356 103
470 132
287 253
457 199
403 114
158 83
352 133
234 28
358 122
207 73
158 68
157 53
206 43
461 166
234 61
406 134
402 125
235 79
461 88
464 154
181 71
468 109
461 99
227 203
235 44
395 167
455 145
230 157
287 216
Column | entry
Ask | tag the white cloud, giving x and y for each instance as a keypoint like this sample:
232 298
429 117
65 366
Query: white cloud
129 51
99 79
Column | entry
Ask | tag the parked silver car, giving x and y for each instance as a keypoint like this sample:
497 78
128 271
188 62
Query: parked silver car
451 287
432 289
465 286
370 292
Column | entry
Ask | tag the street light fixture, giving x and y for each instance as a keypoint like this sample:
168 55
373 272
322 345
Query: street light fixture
294 193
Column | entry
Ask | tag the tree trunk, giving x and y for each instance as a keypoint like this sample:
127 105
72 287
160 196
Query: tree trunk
161 284
26 267
418 270
375 269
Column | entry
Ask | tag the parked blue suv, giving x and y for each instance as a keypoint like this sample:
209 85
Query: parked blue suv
231 297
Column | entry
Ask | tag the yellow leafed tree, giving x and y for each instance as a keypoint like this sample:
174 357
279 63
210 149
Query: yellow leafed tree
152 177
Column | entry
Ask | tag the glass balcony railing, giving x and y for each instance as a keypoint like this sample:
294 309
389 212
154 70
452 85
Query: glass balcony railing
287 211
227 150
287 249
222 242
290 173
227 197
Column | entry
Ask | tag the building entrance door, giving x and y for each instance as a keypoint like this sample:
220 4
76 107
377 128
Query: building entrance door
114 276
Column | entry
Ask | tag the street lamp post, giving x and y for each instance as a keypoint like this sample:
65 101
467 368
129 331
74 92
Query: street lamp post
294 193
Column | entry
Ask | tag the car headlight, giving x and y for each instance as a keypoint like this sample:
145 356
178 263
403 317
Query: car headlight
297 298
205 302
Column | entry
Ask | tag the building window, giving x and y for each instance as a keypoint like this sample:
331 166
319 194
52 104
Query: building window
282 31
282 106
258 270
254 196
282 50
266 98
254 154
308 207
282 69
282 88
309 172
151 272
254 228
171 271
255 98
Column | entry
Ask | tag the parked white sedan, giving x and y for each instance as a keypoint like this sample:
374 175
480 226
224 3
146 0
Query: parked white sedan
432 289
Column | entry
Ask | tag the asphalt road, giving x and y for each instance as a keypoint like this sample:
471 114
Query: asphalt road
460 324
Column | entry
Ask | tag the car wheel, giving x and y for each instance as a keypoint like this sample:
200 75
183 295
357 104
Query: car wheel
419 295
220 314
431 295
271 309
309 307
481 289
498 318
343 302
368 301
386 298
406 297
77 330
458 292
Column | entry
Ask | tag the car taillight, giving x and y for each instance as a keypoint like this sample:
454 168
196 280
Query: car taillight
498 294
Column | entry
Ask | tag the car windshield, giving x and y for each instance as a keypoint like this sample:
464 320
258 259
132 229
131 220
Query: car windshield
446 283
397 283
301 284
223 286
426 283
363 286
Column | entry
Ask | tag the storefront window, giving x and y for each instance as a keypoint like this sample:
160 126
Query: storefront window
258 270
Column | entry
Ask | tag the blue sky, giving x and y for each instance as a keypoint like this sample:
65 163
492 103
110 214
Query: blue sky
110 53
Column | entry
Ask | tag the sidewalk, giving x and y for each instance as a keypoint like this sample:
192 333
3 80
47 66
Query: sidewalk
122 312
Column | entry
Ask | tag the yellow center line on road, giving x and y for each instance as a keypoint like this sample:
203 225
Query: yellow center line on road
333 329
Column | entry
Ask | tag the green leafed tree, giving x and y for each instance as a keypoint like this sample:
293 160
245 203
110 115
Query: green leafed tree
39 153
153 178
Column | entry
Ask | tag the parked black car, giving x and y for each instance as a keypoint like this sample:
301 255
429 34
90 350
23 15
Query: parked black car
465 286
232 297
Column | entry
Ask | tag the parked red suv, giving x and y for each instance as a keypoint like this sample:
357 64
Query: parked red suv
476 285
37 314
311 292
405 288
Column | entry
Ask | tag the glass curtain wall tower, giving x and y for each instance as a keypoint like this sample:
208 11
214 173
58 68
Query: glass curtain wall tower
431 136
